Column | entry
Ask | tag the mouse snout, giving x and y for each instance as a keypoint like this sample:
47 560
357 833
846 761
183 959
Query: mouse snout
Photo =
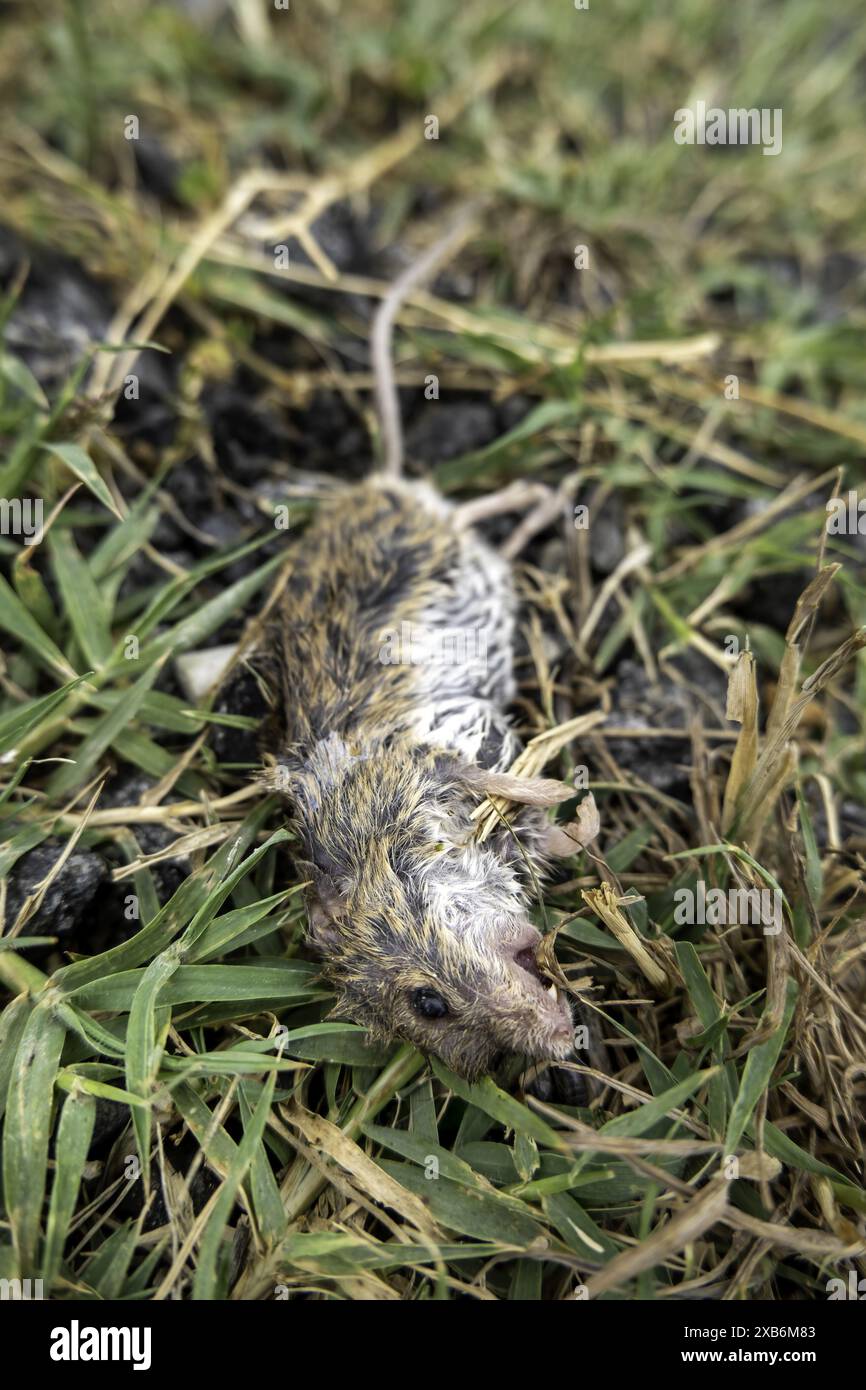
530 1007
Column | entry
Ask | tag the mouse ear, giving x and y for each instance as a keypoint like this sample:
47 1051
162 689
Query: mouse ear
561 841
325 903
526 791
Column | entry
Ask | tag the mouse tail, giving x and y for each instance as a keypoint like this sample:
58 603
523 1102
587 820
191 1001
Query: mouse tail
382 337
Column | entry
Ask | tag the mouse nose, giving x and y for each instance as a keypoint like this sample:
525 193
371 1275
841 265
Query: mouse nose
522 951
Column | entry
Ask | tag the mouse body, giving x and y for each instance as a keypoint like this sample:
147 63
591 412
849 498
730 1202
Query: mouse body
394 645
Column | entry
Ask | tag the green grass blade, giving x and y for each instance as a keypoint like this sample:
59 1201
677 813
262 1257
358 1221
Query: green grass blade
196 628
636 1122
264 1189
81 598
74 1133
757 1074
18 722
704 1002
155 935
482 1215
490 1098
19 623
284 981
227 932
106 1272
142 1048
27 1129
77 462
207 1271
13 1021
578 1229
102 737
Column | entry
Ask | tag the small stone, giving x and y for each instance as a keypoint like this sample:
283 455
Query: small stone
68 896
198 671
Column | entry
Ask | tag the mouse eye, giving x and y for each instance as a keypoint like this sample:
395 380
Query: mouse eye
428 1003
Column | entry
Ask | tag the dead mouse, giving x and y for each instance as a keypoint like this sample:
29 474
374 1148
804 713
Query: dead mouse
394 651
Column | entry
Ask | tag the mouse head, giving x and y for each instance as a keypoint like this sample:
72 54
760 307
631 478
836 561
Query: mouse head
448 963
424 933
